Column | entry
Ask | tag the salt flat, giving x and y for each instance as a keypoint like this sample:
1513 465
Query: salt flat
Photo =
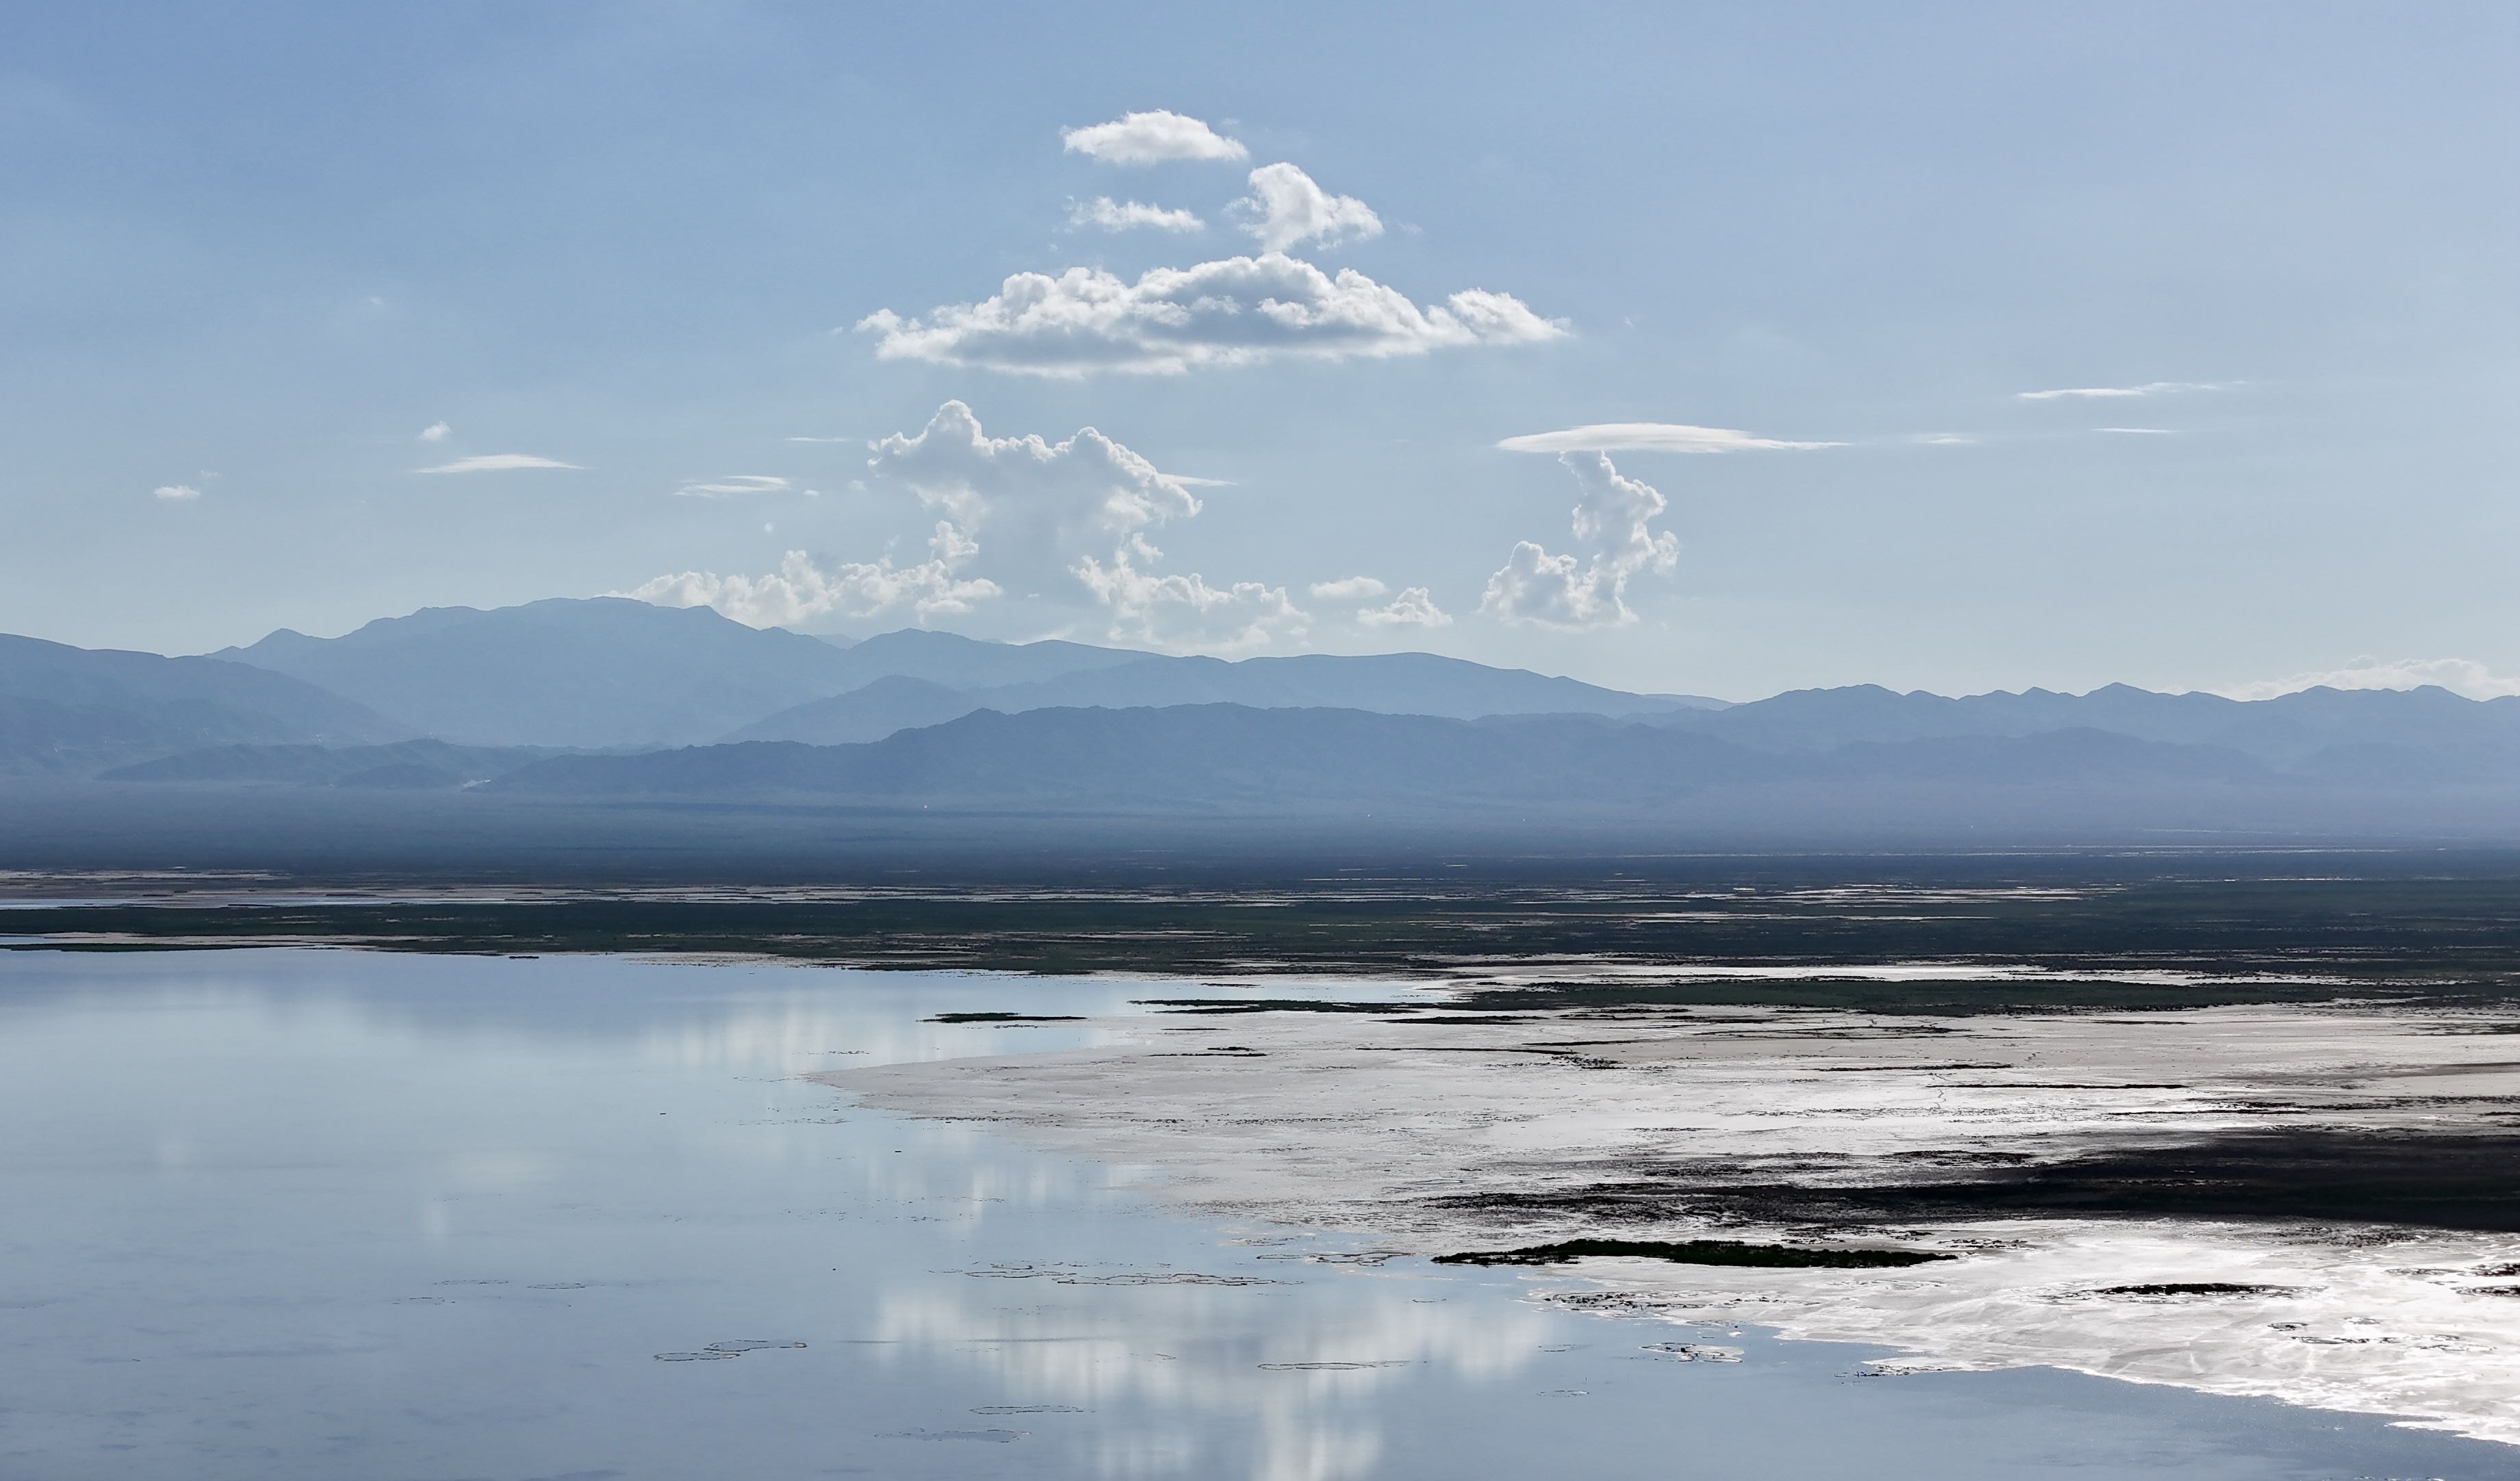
2304 1203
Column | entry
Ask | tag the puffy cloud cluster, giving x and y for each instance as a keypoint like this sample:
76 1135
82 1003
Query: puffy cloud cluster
1156 137
2461 676
1286 208
1613 516
1182 612
1412 607
800 591
1059 523
1232 311
1229 312
176 493
1127 215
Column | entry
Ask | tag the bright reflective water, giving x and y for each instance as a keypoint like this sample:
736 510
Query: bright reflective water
284 1214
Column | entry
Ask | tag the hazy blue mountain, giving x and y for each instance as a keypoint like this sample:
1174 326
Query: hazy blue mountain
898 703
2335 731
73 710
402 764
1392 684
968 663
1406 684
1195 758
596 672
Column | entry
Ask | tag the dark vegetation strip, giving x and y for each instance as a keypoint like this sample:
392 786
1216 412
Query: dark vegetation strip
2386 933
1699 1252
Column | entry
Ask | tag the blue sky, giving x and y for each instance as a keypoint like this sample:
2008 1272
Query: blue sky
251 255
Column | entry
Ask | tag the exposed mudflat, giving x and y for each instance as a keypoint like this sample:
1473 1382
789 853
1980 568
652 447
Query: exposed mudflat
2315 1203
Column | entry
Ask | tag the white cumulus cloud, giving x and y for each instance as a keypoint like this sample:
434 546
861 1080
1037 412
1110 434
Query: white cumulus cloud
1285 208
2461 676
1061 527
1127 215
1613 516
2105 393
494 463
1412 607
1651 436
1347 588
1184 614
1234 311
174 493
1155 137
436 431
800 591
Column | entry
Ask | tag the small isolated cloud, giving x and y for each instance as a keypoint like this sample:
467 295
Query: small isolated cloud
2138 432
1236 311
2147 388
1945 440
1347 588
800 591
2461 676
436 431
1651 438
1151 138
1412 607
1285 208
176 493
494 463
1128 215
1613 516
734 486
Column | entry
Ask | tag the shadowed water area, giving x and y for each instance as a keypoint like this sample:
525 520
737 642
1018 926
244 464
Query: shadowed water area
295 1213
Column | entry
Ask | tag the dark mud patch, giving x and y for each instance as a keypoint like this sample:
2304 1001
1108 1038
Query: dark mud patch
2195 1288
1007 1018
2442 1181
1700 1252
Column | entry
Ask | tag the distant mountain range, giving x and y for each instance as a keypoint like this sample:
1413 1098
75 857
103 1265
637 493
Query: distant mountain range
73 711
610 673
566 701
1233 758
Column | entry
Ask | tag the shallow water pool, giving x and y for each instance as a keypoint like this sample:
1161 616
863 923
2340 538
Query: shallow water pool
284 1214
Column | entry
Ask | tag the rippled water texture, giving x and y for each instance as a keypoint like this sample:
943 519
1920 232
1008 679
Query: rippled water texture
325 1214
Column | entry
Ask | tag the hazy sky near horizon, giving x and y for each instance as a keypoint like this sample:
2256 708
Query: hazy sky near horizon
1711 349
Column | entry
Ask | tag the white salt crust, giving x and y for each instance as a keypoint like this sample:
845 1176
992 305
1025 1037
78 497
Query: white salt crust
1359 1122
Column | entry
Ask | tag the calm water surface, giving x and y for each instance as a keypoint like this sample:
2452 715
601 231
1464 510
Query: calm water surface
292 1214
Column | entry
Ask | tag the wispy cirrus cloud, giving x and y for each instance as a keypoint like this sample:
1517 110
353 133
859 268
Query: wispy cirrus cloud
2138 432
495 462
1653 437
1107 214
734 486
2105 393
1235 311
1157 136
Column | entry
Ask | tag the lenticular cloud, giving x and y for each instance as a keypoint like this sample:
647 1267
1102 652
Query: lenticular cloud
1235 311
